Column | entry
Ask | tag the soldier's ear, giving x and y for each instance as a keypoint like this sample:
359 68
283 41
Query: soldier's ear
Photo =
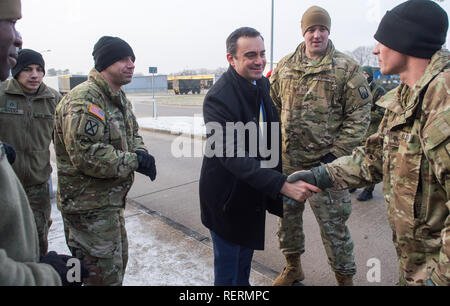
231 59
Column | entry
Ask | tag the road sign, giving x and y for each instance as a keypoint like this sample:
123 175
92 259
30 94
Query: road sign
152 69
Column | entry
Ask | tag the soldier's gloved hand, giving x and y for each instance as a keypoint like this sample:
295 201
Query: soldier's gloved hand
328 158
146 164
59 263
317 176
10 153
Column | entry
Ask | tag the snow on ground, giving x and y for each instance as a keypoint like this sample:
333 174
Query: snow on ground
158 254
176 125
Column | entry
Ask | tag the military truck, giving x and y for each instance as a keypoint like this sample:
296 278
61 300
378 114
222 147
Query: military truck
184 86
64 83
69 81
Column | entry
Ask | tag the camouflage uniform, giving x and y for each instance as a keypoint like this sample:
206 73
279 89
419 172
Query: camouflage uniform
376 114
324 107
26 123
96 135
410 153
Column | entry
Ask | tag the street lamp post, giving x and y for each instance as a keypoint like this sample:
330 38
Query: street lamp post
153 70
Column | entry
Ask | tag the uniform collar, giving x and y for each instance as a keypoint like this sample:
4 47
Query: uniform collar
297 60
97 78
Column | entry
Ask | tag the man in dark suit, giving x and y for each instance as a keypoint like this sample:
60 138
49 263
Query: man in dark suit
241 175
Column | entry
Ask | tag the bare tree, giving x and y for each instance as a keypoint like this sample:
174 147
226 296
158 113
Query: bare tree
363 55
51 72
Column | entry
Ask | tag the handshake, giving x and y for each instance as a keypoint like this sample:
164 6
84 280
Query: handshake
146 164
301 185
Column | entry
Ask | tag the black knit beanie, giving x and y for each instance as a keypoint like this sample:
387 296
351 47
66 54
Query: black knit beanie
27 57
109 50
415 27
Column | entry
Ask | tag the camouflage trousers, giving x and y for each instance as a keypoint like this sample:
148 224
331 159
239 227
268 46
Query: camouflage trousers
332 209
370 188
39 198
99 239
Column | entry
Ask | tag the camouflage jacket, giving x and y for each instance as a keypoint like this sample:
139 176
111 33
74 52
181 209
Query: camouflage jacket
96 135
19 245
324 106
376 112
26 123
410 153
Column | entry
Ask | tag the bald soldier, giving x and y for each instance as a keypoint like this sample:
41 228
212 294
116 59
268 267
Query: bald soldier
324 104
410 151
98 149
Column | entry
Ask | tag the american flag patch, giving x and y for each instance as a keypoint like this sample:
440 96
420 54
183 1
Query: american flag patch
96 111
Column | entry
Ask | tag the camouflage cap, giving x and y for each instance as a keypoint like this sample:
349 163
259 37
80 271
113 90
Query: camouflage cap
315 15
10 9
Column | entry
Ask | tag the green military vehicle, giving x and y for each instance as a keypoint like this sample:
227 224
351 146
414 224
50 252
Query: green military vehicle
184 86
69 81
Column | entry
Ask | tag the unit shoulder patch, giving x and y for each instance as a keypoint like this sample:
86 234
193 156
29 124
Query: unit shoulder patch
91 127
363 92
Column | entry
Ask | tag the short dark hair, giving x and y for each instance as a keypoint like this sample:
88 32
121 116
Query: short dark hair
233 38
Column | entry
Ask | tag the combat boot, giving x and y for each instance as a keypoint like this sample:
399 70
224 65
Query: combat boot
292 271
344 280
365 195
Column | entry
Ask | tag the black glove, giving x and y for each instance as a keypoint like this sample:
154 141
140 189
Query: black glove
59 263
146 164
10 153
317 176
328 158
306 176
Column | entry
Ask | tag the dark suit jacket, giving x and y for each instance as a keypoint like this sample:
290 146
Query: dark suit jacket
235 192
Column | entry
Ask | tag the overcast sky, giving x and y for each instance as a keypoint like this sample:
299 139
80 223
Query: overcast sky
184 34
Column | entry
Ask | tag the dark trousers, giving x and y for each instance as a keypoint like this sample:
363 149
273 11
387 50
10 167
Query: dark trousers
232 263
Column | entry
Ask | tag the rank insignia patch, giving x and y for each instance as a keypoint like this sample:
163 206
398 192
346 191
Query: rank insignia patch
91 128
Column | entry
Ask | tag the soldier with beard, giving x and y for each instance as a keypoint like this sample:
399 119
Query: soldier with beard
98 149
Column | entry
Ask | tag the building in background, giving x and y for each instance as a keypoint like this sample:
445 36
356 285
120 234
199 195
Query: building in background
143 84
